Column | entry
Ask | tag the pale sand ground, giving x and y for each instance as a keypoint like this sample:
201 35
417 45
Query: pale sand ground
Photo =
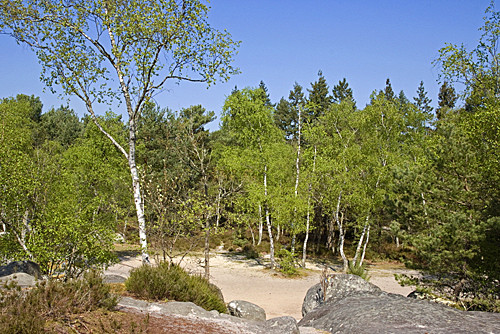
243 279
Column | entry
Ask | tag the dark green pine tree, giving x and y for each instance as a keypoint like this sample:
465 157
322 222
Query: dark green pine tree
286 114
296 96
285 118
342 92
265 94
422 102
61 125
388 92
446 99
319 99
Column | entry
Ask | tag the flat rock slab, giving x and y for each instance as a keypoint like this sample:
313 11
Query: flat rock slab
114 279
21 279
282 325
367 312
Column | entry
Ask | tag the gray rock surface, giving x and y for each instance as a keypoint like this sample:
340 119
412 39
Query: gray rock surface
350 311
282 325
246 310
27 267
338 286
21 279
111 278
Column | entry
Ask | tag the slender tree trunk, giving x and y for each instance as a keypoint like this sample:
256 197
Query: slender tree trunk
207 248
217 209
139 205
297 174
207 228
425 209
340 220
268 221
330 240
261 225
358 249
308 219
251 232
306 238
364 247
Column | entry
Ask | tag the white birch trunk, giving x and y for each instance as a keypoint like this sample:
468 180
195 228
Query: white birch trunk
358 249
308 220
268 221
297 174
261 225
306 238
251 232
364 247
425 209
139 207
340 222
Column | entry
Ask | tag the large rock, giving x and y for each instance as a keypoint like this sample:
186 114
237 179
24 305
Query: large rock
20 279
192 312
113 279
373 311
27 267
246 310
338 286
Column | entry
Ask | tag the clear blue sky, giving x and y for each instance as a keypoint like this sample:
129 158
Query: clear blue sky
287 41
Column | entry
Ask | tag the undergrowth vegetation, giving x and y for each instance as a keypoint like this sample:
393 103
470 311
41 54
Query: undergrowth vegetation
170 282
27 311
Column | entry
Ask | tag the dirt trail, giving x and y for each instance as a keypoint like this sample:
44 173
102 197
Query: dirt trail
250 280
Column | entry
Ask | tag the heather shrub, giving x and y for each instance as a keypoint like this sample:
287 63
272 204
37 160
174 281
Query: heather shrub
26 311
171 282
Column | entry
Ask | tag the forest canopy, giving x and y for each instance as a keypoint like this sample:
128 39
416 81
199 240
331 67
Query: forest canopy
310 174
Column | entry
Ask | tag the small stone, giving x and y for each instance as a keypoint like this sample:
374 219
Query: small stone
246 310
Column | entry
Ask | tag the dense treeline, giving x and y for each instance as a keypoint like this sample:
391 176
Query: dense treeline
313 172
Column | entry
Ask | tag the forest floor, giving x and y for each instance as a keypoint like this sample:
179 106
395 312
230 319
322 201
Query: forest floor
251 280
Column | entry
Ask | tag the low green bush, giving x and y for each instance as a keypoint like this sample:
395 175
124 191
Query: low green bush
171 282
27 311
250 252
286 262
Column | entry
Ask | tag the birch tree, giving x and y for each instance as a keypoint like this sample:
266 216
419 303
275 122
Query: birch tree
120 53
256 143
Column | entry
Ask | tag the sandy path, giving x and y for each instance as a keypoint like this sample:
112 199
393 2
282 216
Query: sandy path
249 280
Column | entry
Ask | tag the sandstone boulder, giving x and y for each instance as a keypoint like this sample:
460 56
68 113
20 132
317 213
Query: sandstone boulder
27 267
369 310
246 310
21 279
337 286
194 313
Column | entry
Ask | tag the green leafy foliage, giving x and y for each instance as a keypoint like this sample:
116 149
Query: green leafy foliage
171 282
59 198
287 262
